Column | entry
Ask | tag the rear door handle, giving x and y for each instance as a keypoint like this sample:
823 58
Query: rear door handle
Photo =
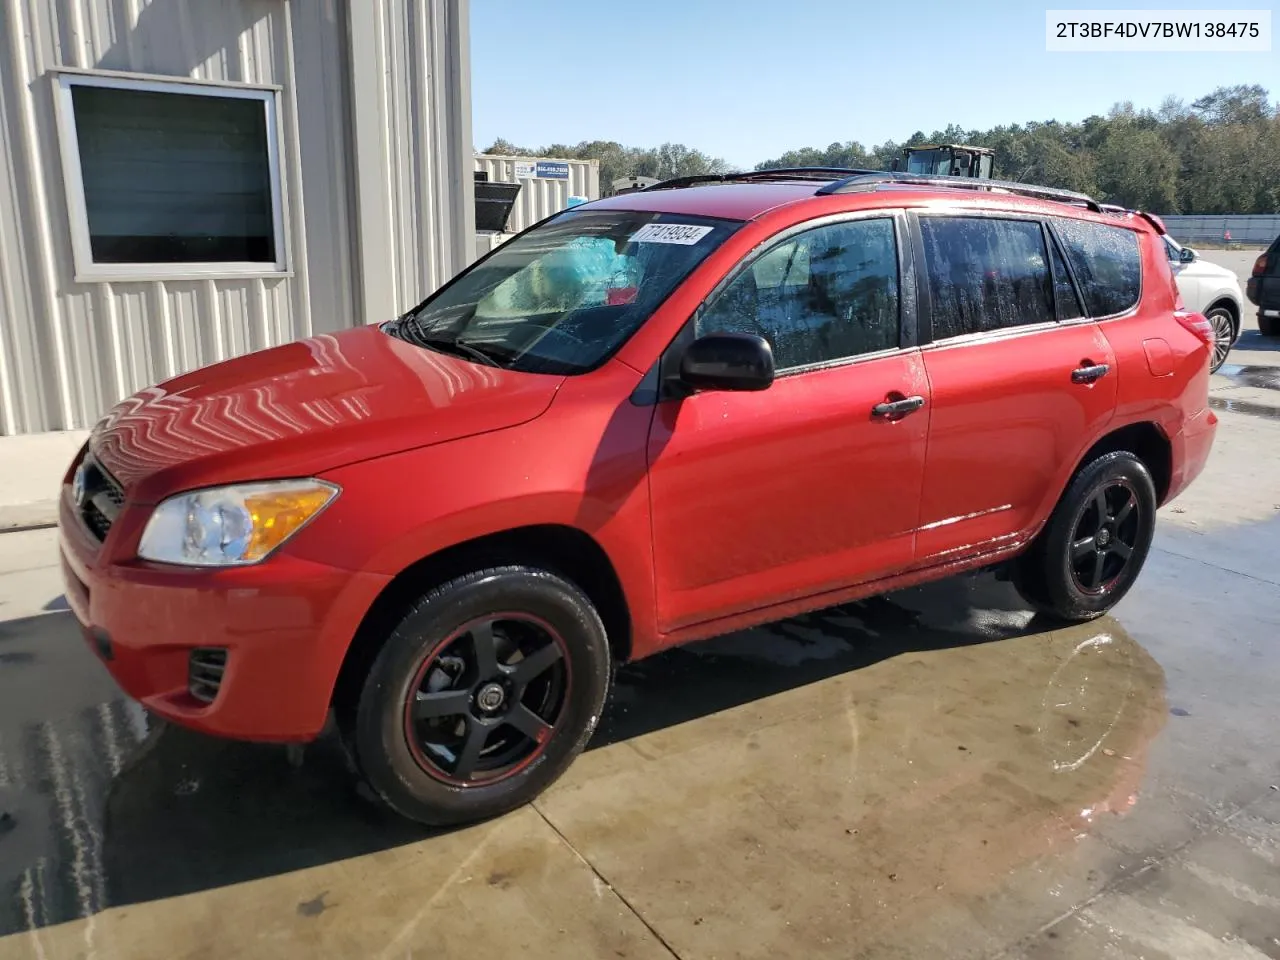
1090 374
897 408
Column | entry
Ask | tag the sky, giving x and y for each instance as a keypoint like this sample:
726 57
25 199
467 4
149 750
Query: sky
748 80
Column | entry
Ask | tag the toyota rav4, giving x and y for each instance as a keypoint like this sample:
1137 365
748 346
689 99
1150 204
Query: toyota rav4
647 420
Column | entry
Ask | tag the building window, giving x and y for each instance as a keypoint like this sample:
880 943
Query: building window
170 179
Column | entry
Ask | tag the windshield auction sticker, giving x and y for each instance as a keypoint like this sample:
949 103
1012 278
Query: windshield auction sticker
685 234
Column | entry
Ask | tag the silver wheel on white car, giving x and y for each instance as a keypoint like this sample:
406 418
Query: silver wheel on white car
1224 334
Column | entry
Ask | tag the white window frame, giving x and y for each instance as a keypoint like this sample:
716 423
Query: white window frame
86 270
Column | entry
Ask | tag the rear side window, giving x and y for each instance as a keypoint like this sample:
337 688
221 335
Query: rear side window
1106 263
986 274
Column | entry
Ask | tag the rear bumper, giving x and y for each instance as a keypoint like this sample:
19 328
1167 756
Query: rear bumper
1190 448
285 624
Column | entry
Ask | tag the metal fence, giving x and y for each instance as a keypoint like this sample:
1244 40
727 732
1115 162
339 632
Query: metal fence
1254 230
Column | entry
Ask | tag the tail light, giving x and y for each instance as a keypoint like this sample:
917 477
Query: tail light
1197 324
1260 266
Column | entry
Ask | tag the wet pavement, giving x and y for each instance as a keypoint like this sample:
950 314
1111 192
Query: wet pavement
931 773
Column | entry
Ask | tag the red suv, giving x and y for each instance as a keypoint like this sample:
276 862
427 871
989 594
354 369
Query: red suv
644 421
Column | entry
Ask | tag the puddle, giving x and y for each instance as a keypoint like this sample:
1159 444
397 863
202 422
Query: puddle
1246 407
940 729
1264 378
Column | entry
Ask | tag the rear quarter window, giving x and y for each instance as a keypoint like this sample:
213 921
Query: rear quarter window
1107 265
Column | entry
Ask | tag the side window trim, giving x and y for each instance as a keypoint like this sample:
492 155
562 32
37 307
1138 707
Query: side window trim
1052 246
1052 232
924 295
907 323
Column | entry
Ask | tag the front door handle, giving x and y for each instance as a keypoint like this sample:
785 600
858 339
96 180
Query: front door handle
1090 373
897 408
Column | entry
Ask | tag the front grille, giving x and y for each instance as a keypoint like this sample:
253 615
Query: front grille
98 496
204 672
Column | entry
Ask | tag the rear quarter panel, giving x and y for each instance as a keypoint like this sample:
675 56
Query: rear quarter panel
1168 395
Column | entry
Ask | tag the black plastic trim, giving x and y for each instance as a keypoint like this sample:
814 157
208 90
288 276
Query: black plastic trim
908 302
920 269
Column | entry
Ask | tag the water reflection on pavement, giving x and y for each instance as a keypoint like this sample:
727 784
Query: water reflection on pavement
830 779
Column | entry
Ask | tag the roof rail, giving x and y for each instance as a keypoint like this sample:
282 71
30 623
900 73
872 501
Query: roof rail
777 173
869 181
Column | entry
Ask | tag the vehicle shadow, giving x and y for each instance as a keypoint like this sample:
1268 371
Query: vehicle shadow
156 811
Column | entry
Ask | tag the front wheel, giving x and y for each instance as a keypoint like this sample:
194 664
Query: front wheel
1224 335
1095 543
482 695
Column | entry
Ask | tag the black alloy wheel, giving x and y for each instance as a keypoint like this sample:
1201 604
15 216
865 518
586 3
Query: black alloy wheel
480 696
486 701
1105 537
1095 542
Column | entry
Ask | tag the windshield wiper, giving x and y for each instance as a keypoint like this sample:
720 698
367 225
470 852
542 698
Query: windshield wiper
452 345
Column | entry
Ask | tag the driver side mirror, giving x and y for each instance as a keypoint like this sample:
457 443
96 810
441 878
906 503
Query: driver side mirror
728 361
1187 255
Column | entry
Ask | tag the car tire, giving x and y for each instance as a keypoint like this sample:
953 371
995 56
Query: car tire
432 692
1224 335
1074 571
1269 326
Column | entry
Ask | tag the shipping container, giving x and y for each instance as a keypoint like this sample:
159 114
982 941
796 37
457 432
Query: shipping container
547 185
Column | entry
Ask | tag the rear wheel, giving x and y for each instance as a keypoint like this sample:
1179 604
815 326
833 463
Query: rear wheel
1224 335
1095 543
1269 326
482 695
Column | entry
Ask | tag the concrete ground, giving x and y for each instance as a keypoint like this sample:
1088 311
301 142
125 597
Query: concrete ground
930 774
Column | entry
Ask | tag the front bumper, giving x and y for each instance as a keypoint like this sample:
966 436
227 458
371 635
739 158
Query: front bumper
286 625
1190 448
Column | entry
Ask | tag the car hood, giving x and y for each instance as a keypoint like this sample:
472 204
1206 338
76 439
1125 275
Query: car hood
306 407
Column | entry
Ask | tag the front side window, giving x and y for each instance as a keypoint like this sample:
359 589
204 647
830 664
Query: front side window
826 294
167 178
986 274
566 295
1107 265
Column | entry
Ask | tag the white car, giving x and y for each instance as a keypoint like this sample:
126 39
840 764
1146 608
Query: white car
1211 290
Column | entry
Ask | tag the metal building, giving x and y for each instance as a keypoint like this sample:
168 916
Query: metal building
183 181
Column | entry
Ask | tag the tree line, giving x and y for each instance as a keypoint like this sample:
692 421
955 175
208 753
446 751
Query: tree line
1219 154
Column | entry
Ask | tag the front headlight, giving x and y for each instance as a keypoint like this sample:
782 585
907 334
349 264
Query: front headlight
232 526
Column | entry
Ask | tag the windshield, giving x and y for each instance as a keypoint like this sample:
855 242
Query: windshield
928 161
564 296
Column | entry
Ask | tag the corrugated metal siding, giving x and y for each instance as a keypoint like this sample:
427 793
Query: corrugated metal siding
69 351
73 349
540 198
411 110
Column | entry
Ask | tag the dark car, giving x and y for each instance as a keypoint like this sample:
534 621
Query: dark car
1264 290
